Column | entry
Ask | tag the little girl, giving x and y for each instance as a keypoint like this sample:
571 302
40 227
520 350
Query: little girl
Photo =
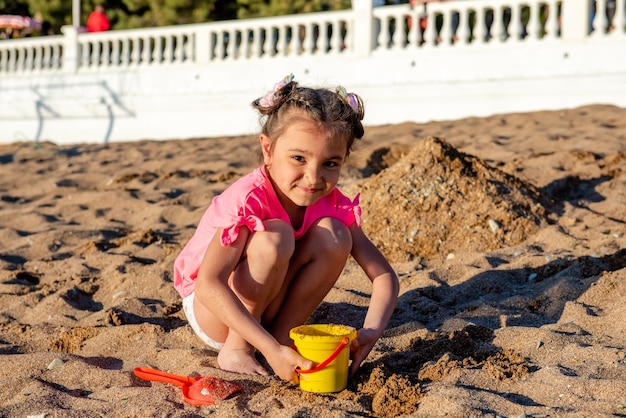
271 246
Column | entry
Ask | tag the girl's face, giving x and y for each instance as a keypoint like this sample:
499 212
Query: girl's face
304 164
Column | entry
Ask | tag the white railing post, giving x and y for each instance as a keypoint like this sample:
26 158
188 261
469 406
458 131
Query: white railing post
619 20
201 44
574 19
70 49
363 33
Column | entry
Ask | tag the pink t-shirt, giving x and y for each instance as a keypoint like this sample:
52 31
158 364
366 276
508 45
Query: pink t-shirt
248 202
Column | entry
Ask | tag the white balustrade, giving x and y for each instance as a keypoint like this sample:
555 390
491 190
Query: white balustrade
31 55
465 23
137 48
459 23
442 60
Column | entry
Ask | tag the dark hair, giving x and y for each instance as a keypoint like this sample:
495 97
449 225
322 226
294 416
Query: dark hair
332 113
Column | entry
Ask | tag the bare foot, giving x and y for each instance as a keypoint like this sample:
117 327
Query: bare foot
240 361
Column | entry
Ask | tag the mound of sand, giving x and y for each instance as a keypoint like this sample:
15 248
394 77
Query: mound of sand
436 200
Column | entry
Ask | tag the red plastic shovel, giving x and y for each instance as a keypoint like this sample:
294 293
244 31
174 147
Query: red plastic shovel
199 390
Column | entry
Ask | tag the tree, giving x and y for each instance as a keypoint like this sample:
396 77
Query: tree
125 14
56 12
11 7
129 14
262 8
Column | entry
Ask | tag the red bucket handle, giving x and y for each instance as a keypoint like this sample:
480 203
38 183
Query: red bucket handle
344 342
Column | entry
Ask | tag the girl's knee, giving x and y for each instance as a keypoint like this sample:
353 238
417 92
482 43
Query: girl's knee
332 237
273 245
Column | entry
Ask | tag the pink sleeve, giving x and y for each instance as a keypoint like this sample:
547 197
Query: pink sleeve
250 214
356 209
348 210
230 233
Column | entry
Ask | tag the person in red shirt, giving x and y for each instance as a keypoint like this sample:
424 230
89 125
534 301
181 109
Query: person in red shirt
97 20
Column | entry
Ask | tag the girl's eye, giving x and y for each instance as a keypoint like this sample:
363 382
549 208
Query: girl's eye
330 164
298 158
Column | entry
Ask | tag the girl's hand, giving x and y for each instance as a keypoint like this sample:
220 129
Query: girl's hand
284 362
361 347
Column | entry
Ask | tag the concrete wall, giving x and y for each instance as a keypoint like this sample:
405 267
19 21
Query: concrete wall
195 81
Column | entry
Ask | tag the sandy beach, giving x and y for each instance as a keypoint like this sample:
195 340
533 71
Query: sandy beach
507 234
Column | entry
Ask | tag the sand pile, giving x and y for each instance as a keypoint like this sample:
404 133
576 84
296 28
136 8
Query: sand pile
436 201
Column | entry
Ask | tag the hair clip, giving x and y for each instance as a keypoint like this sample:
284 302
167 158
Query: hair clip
349 98
268 99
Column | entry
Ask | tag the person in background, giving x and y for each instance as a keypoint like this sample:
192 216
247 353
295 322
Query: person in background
271 246
423 20
97 20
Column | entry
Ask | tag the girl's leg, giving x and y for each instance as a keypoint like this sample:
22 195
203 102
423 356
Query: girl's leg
256 281
319 259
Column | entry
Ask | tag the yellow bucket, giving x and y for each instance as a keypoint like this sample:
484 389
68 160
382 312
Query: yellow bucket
328 345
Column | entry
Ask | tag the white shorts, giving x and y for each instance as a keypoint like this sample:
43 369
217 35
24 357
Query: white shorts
191 318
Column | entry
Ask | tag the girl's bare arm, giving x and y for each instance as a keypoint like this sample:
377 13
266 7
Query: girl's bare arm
385 288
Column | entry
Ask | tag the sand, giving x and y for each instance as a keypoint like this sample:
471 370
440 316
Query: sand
507 234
